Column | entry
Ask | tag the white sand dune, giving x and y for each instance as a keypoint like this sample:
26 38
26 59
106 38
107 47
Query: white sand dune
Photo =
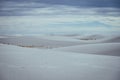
58 38
101 45
55 41
37 42
90 37
99 48
61 63
99 38
114 39
18 63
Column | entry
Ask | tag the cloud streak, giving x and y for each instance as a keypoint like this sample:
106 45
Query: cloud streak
32 8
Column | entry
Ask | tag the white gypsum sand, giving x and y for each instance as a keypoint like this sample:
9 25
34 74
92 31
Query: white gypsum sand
67 58
18 63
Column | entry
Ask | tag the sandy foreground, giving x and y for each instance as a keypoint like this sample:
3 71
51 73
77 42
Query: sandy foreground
59 58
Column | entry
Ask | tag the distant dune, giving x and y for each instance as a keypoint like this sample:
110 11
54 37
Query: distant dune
37 42
97 44
93 44
91 37
114 39
99 49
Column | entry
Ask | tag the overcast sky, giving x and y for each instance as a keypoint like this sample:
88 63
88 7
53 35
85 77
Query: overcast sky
59 16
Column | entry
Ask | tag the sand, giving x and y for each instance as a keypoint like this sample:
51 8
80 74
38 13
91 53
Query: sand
59 58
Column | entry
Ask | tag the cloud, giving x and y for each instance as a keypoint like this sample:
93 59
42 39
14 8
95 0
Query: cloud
33 8
58 24
32 17
78 3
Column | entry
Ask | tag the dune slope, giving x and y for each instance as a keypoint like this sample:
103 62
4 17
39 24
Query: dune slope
37 42
99 48
18 63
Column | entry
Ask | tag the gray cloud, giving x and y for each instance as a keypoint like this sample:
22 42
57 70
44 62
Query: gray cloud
78 3
32 17
33 8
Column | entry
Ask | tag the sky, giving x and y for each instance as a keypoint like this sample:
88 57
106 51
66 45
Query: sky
59 16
